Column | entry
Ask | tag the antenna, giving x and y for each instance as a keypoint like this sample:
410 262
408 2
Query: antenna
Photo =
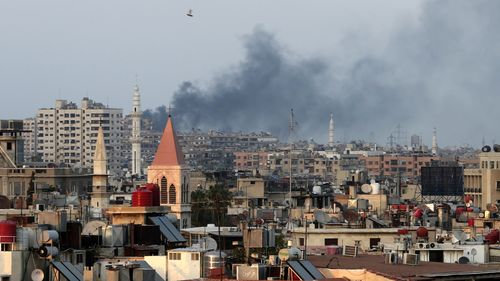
170 110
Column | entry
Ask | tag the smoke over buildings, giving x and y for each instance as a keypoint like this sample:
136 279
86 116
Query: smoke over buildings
441 71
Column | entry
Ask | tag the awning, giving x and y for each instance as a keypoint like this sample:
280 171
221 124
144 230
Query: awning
168 230
68 270
305 270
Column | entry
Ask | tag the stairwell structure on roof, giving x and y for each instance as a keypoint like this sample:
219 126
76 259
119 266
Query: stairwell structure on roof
170 172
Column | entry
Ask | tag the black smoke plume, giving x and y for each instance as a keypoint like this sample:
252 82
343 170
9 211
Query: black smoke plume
442 71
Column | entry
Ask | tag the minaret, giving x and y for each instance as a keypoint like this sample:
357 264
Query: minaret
170 172
434 142
100 196
135 140
331 130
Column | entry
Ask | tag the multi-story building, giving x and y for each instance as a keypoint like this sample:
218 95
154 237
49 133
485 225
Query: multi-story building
250 160
407 166
29 137
483 185
304 162
11 143
66 134
214 151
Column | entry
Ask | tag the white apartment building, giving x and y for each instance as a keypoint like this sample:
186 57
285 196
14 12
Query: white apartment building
29 137
67 134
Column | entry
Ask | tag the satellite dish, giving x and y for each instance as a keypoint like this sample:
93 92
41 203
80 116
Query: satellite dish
92 227
321 217
366 188
210 243
37 275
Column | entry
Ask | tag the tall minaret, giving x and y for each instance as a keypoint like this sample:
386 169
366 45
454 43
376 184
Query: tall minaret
331 130
100 196
434 142
135 140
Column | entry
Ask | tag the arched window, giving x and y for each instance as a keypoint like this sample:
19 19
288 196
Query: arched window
185 191
172 194
163 191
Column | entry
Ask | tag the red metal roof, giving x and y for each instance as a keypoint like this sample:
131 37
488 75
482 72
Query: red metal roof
169 152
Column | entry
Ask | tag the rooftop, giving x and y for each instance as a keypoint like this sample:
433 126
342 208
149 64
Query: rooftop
423 271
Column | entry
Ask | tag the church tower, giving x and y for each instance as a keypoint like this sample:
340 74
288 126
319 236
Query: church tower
135 140
100 196
169 171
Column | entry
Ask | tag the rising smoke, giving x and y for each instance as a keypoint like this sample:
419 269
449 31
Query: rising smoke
440 72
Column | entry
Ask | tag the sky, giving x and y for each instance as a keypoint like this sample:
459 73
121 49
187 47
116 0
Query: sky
242 65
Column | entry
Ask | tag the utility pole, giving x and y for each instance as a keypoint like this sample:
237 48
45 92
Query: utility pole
305 240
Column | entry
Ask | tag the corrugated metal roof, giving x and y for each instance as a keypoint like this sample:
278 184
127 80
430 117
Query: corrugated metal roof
68 270
168 230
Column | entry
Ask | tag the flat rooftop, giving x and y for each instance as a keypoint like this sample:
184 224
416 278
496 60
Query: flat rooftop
422 271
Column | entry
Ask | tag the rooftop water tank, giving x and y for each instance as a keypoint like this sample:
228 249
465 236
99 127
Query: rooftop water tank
7 232
375 188
142 198
422 232
492 237
155 193
213 260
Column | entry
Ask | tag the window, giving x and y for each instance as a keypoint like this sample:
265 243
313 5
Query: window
374 242
331 241
163 191
9 146
79 258
498 185
172 194
174 256
301 241
195 256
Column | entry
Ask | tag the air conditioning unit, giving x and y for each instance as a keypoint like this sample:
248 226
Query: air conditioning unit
411 259
350 251
391 258
433 245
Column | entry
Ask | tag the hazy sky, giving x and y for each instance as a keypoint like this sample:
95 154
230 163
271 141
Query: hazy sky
345 49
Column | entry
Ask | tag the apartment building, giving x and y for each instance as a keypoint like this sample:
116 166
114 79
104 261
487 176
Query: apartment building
482 185
391 164
66 134
29 137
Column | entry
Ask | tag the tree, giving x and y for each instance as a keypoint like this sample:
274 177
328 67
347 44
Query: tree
209 206
198 207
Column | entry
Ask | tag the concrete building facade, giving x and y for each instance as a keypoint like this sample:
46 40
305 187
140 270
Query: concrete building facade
66 134
392 164
30 141
483 184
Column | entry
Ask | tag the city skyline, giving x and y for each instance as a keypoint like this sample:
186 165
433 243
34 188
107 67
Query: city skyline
374 65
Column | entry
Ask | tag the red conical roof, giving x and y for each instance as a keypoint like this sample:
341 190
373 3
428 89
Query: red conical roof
169 152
